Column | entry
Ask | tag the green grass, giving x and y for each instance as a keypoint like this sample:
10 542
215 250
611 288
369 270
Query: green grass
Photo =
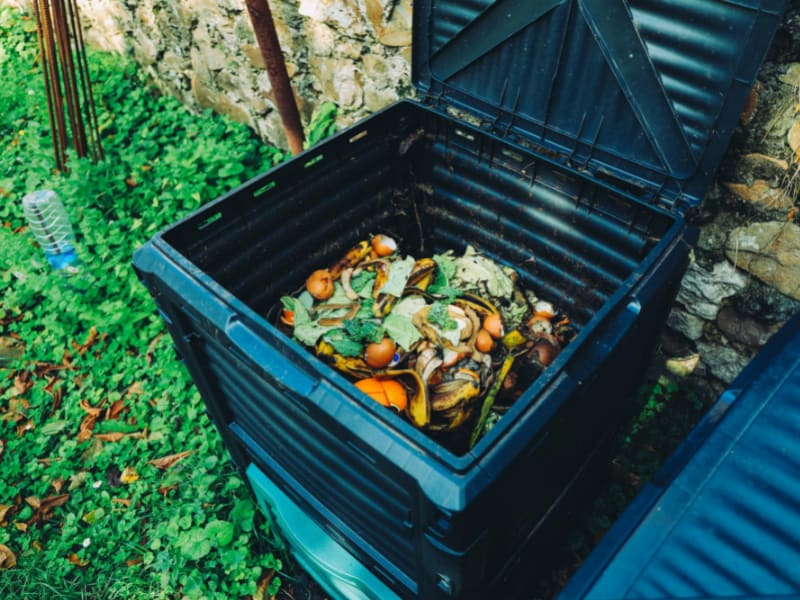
87 514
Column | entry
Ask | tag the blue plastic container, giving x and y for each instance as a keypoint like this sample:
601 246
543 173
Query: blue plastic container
586 129
721 518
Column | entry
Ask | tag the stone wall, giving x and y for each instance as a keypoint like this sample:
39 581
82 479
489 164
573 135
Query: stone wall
355 53
745 278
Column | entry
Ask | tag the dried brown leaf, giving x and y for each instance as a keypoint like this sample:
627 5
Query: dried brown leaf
33 501
38 545
76 560
5 512
25 427
124 501
165 462
43 368
92 410
113 436
21 526
116 408
22 382
148 356
164 490
2 447
90 340
57 484
7 558
132 562
87 425
52 502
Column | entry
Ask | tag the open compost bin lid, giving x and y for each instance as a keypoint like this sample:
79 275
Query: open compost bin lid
640 92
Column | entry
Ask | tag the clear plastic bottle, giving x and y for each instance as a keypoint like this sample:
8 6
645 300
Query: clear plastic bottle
49 223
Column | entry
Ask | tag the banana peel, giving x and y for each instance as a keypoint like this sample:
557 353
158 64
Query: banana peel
351 258
418 409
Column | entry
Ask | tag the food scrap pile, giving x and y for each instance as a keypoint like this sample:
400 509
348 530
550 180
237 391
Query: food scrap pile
448 341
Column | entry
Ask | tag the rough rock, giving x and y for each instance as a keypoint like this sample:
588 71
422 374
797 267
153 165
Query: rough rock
765 303
702 291
791 76
744 330
721 361
793 137
771 252
685 323
762 194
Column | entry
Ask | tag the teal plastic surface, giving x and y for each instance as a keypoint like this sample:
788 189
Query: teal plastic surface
334 568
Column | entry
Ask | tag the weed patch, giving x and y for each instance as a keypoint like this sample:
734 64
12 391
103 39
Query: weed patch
113 481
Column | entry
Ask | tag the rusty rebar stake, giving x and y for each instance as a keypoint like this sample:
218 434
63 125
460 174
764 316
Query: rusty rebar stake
267 38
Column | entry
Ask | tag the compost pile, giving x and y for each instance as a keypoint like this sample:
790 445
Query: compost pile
447 341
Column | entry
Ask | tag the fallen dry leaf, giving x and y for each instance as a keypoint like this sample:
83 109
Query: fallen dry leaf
75 560
92 410
57 484
792 214
21 526
148 356
164 490
124 501
4 512
113 411
43 368
22 382
87 425
131 562
165 462
263 585
38 545
51 502
44 507
57 393
113 436
90 340
25 427
7 558
129 475
2 447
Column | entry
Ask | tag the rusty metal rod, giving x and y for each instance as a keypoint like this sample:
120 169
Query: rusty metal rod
85 82
55 84
57 150
267 38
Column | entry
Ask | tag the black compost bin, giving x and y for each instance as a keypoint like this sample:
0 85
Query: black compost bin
585 129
